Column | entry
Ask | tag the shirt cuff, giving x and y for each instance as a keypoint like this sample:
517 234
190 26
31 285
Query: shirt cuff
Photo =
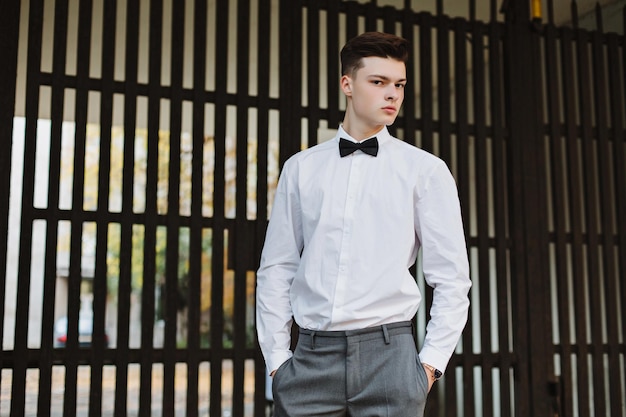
276 359
434 358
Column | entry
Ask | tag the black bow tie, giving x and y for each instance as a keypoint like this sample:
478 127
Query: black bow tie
346 147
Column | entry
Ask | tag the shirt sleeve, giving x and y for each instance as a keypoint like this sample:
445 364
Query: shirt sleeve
280 260
445 264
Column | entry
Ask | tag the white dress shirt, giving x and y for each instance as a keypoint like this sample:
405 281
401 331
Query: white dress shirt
342 235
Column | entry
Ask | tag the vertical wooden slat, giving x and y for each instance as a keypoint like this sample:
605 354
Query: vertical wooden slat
439 7
536 229
444 102
408 106
370 17
482 211
264 50
333 74
9 37
493 11
559 208
574 11
150 233
241 244
498 123
75 269
426 81
462 140
620 161
572 248
352 20
605 150
444 89
525 208
46 356
603 217
426 113
196 229
217 268
56 116
286 84
575 215
389 19
128 181
589 219
313 72
18 385
290 85
389 26
550 7
82 75
100 277
173 209
599 22
615 299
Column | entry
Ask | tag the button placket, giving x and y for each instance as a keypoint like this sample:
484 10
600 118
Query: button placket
354 185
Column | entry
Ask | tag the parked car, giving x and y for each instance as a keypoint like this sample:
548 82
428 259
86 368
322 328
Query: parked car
85 330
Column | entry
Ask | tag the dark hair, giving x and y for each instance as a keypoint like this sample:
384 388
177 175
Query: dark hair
383 45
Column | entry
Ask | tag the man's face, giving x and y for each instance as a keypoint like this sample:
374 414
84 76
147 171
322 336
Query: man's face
376 91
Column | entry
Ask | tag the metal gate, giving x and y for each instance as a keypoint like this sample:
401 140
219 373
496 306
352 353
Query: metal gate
143 141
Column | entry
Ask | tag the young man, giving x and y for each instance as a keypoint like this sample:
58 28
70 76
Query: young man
347 222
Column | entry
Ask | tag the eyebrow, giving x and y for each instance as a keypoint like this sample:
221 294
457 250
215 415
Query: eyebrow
384 77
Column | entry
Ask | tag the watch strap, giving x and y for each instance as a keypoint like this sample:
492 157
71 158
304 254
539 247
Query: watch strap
436 372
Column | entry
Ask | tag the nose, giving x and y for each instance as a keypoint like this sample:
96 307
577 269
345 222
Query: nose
392 94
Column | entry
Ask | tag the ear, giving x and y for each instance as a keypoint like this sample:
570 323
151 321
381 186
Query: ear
346 85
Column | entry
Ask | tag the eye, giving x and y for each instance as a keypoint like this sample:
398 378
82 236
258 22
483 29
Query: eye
400 85
377 82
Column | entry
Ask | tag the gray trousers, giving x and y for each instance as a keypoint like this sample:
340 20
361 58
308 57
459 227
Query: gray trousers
373 372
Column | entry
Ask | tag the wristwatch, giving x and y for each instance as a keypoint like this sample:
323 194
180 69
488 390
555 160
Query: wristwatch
436 372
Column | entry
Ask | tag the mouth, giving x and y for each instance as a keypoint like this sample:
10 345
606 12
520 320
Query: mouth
389 109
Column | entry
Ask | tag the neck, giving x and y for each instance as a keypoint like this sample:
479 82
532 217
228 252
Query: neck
359 132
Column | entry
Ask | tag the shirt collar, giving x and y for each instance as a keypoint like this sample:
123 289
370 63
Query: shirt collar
382 135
